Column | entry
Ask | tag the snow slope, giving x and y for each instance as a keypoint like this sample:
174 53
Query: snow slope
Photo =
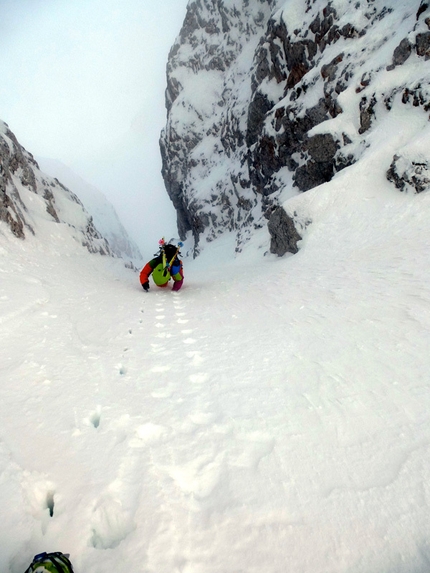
271 416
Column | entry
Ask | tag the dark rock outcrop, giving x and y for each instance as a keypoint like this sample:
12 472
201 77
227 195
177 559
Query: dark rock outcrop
284 235
409 175
401 54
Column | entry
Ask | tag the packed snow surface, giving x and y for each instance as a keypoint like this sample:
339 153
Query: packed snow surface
271 416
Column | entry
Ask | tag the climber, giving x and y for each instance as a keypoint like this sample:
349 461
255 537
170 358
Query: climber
165 266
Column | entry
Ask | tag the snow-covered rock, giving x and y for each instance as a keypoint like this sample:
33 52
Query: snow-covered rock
102 211
30 199
267 100
208 93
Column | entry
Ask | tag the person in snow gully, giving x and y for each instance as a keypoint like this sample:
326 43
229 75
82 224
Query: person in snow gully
165 266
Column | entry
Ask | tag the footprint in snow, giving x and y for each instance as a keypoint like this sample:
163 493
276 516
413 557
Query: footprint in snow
202 418
148 434
40 496
195 357
257 447
199 477
199 378
162 393
95 417
110 524
113 516
161 368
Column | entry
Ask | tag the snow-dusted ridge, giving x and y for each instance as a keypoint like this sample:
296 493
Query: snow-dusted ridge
34 203
103 213
297 99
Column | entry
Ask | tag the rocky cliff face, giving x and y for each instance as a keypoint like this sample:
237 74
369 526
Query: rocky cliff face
208 93
29 198
269 99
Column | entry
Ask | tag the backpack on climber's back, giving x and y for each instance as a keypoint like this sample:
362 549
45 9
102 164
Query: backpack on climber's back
164 266
56 562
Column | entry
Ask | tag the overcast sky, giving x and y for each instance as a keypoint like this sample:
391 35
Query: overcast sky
83 81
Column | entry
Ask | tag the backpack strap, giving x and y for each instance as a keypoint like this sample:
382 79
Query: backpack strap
170 264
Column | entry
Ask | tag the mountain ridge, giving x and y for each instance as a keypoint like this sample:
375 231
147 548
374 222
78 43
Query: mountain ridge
104 215
300 92
31 199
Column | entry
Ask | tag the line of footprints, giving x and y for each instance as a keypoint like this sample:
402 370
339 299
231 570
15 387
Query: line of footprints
160 345
113 512
195 356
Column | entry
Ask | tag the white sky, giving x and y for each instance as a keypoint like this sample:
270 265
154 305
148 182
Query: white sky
83 82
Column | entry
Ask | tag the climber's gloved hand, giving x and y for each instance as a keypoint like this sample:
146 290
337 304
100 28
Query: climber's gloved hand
145 286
